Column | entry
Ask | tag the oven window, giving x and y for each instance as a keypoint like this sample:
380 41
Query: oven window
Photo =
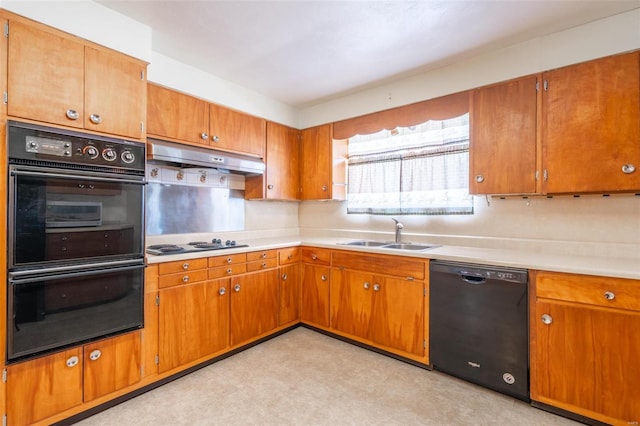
50 313
60 218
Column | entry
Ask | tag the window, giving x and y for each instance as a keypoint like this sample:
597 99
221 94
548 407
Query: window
417 170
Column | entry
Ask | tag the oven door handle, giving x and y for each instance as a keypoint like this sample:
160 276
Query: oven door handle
73 176
24 277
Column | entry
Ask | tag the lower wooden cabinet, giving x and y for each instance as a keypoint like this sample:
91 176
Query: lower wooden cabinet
314 294
49 385
289 294
254 305
585 347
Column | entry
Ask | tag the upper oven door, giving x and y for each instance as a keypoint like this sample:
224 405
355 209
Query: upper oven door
37 233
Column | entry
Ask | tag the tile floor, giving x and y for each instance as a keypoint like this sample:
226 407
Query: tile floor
307 378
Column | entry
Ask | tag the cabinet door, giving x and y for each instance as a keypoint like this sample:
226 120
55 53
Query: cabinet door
397 320
174 115
503 138
314 298
115 94
254 305
316 175
586 360
111 364
281 180
193 322
289 294
45 76
235 131
351 302
43 387
590 126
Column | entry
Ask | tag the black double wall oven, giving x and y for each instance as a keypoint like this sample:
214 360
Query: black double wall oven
75 238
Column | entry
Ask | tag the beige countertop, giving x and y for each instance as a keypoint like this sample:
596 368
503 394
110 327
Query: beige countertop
626 267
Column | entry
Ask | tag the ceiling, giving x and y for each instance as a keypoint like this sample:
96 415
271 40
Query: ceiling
302 52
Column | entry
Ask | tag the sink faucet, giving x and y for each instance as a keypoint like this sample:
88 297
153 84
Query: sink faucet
399 227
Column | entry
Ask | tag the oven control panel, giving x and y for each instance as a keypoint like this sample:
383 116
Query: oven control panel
31 142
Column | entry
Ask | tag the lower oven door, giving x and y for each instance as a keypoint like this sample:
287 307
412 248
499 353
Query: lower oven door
55 308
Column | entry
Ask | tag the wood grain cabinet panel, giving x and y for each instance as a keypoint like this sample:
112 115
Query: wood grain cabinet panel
236 131
590 126
314 294
289 294
503 149
583 355
323 164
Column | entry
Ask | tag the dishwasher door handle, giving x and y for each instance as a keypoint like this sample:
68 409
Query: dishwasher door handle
470 279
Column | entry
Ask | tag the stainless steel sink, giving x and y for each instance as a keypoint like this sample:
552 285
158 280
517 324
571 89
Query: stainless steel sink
409 246
364 243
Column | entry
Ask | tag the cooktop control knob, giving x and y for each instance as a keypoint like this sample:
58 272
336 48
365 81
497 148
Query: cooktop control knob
128 157
91 152
109 154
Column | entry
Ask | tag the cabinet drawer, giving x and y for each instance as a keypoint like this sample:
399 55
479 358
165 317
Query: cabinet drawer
227 260
601 291
289 255
261 255
227 271
259 265
171 280
376 264
182 266
316 256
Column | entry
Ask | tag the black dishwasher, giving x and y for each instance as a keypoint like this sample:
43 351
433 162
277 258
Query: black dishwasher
478 325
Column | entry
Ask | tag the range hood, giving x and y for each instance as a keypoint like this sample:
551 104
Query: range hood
159 150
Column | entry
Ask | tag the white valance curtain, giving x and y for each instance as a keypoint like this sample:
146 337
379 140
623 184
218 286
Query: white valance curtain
422 169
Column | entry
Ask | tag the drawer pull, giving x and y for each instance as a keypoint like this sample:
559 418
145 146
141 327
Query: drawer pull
609 295
229 260
95 355
323 277
376 287
222 291
72 361
547 319
95 118
236 288
366 285
229 271
628 168
263 255
290 257
185 279
284 277
314 257
185 266
264 265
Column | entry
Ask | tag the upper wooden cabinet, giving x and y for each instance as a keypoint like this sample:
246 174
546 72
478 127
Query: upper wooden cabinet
591 126
323 166
235 131
503 149
176 116
281 180
60 79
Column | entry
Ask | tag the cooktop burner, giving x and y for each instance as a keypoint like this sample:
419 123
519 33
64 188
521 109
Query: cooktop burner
215 244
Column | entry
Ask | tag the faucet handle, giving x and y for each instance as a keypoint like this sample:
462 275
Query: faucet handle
398 224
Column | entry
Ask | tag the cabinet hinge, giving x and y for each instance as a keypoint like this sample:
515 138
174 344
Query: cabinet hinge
5 98
4 420
537 175
545 175
424 344
142 75
424 291
410 278
142 126
546 85
537 86
158 300
4 376
6 29
157 359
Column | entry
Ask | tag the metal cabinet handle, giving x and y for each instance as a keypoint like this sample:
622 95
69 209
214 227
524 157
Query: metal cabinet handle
229 260
323 277
72 361
185 279
628 168
314 257
204 136
264 265
185 266
609 295
229 271
95 355
215 138
376 287
290 257
236 288
222 291
263 255
95 118
547 319
366 285
479 178
284 277
269 186
324 187
72 114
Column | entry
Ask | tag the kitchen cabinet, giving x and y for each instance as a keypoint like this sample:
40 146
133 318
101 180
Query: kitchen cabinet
254 305
315 286
583 358
590 126
503 152
281 180
380 299
60 79
289 262
323 166
176 116
236 131
193 322
150 330
52 384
